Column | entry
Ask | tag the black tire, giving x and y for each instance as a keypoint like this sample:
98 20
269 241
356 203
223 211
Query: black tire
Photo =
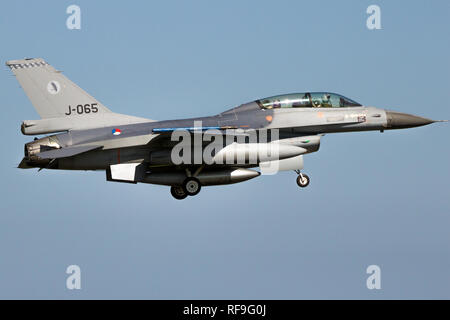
191 186
303 183
178 192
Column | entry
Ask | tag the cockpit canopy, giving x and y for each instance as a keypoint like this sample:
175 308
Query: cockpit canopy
307 100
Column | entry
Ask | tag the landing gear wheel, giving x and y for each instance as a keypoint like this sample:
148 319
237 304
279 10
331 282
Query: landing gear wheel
303 180
178 192
191 186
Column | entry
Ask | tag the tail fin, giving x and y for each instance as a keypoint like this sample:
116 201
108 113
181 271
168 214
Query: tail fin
50 92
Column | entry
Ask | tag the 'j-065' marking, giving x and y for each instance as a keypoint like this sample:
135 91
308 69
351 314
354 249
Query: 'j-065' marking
82 109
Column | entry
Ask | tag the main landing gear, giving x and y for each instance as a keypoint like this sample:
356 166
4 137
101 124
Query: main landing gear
191 186
302 179
178 192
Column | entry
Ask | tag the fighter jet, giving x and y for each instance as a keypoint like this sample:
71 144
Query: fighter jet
264 136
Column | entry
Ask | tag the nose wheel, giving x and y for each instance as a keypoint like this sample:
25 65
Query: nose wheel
302 180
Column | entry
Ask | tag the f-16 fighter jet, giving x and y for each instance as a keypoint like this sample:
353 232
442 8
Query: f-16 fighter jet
259 137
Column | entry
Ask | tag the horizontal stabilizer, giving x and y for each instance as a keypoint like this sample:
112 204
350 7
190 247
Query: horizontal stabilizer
78 122
24 165
66 152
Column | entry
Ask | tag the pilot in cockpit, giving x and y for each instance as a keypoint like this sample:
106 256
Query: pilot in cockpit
326 100
277 104
308 96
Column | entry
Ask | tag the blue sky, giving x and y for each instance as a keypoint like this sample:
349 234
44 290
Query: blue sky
374 198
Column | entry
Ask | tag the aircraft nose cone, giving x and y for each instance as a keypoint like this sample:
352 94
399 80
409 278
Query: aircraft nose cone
398 120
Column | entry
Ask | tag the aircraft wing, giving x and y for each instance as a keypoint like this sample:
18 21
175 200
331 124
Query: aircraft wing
66 152
212 131
193 129
162 134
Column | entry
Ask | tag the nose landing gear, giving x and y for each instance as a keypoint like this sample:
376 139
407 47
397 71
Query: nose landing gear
302 179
